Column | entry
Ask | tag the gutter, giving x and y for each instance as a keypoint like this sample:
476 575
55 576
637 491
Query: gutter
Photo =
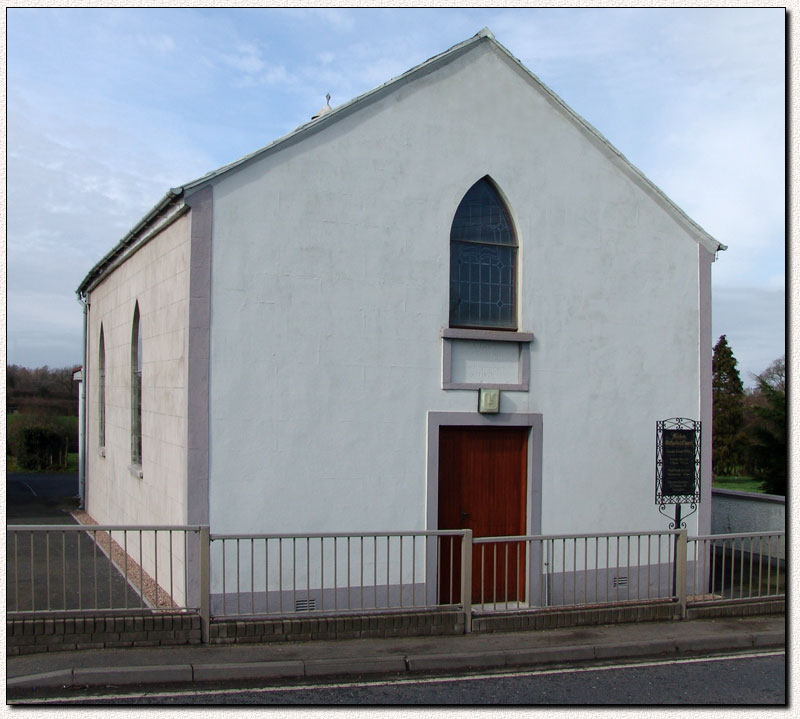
97 271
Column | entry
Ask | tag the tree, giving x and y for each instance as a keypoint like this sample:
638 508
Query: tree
41 390
41 448
766 415
728 405
775 374
40 442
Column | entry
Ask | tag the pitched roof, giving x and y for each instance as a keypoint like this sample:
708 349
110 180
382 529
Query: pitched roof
321 121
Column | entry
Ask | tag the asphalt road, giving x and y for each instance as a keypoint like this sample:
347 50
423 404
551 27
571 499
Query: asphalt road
741 680
40 498
66 570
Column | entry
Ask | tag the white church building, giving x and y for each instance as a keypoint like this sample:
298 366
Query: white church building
449 302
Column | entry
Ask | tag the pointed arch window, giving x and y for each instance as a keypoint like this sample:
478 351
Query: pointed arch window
136 389
101 390
483 261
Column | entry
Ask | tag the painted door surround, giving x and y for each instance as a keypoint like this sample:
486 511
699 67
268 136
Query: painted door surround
533 504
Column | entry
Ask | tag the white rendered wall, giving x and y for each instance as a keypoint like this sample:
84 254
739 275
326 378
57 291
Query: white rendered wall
741 512
157 277
330 288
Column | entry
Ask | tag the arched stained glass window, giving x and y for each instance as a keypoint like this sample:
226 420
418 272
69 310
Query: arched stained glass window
101 389
136 389
483 258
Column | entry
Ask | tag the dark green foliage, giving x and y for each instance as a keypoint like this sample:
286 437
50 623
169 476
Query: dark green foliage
18 424
41 391
41 416
767 429
41 448
729 441
749 429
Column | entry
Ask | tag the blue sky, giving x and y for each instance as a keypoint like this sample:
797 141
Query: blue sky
108 108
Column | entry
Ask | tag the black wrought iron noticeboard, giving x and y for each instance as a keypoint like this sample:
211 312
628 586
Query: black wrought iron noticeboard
677 461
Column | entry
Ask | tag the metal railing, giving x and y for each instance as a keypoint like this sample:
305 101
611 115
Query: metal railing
737 566
266 574
538 571
102 568
97 568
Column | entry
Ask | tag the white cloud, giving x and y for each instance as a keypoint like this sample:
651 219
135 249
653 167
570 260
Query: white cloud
694 98
246 59
731 180
338 19
44 327
753 320
161 43
74 190
777 282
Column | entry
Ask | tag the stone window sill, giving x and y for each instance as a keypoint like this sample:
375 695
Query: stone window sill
456 333
101 451
135 470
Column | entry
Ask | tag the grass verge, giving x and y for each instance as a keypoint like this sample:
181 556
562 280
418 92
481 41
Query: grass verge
70 468
739 484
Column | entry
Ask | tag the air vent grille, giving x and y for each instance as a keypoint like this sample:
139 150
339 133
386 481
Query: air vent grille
620 581
305 605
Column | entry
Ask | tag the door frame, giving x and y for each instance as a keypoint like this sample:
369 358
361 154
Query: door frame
533 508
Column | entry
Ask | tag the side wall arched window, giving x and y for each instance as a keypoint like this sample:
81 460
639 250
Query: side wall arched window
101 389
136 389
483 262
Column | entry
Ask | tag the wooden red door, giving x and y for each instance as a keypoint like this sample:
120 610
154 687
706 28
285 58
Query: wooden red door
482 487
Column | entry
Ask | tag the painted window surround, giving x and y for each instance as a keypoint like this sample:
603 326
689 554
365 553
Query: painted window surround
522 339
101 393
135 466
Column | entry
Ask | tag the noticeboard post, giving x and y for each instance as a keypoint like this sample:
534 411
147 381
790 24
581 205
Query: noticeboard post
677 469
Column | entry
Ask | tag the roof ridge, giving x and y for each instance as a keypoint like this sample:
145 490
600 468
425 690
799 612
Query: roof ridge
328 117
429 65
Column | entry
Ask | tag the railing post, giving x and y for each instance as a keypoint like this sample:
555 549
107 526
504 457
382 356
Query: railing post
681 547
466 579
205 583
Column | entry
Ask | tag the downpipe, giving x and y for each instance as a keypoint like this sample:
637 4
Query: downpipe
82 410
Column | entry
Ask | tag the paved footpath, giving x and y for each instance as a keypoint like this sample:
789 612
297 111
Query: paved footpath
421 655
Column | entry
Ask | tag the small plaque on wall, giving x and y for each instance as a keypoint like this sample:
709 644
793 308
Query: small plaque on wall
489 401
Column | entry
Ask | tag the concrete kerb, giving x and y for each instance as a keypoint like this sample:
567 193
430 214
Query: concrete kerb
46 680
366 665
392 665
769 639
159 674
657 647
249 670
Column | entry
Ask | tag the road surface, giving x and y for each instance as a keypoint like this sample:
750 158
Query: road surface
745 679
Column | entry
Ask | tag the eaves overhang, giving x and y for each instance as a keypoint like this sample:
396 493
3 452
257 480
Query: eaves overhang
163 213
